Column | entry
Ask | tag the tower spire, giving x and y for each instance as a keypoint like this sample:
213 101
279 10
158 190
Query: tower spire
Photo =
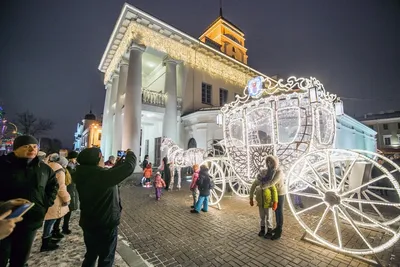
220 8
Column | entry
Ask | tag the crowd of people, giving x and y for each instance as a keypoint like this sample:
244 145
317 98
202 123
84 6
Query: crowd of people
57 182
53 185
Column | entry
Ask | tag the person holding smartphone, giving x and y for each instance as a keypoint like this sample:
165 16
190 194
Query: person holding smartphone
7 224
100 203
23 175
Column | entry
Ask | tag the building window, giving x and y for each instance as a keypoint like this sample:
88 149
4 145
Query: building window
398 125
157 151
386 140
99 137
206 90
192 143
385 126
233 49
223 96
147 145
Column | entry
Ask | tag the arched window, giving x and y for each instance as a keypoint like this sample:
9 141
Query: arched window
192 143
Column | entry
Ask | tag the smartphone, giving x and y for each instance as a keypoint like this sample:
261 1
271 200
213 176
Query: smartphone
121 153
20 211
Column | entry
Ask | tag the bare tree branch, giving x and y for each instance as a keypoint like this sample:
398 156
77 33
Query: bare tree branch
28 123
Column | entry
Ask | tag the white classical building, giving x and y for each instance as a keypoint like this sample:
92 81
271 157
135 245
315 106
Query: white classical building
160 82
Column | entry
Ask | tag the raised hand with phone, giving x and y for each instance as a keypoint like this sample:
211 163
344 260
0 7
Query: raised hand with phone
100 203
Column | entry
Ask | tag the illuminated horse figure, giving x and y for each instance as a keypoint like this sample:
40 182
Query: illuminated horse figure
180 158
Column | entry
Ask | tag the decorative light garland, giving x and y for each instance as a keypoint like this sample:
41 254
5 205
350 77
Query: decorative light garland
198 60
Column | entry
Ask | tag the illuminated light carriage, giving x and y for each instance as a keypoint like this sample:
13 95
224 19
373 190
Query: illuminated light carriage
296 121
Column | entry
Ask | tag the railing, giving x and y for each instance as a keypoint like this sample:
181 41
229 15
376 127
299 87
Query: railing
153 98
157 99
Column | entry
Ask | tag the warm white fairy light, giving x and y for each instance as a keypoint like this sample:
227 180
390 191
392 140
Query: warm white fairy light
181 158
338 187
190 55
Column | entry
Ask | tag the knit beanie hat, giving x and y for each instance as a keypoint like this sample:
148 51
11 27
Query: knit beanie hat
24 140
89 156
72 155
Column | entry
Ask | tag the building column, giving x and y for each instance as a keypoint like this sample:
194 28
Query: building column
120 99
105 122
133 101
111 114
170 116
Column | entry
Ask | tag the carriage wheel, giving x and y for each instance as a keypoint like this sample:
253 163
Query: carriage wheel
239 186
218 177
343 194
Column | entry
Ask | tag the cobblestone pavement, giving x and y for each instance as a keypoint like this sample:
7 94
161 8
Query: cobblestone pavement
71 251
165 233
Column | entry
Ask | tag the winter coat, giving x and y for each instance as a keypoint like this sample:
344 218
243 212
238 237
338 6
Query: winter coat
144 164
204 182
71 188
34 181
278 179
100 203
195 177
159 182
59 209
148 172
264 197
167 171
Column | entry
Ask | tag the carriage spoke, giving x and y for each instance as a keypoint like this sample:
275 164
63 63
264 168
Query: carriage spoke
316 174
346 174
369 219
373 205
364 185
322 219
332 181
352 223
379 197
337 226
371 202
310 208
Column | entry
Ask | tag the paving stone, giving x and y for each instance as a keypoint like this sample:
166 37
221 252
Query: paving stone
226 237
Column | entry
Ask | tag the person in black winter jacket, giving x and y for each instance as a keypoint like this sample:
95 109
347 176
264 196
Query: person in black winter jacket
167 173
204 184
23 175
100 203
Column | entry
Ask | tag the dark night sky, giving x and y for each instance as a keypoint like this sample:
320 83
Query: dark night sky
49 52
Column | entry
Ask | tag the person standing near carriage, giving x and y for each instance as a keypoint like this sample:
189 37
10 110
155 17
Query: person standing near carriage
276 179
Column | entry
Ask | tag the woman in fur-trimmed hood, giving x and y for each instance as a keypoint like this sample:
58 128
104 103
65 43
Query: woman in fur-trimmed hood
268 178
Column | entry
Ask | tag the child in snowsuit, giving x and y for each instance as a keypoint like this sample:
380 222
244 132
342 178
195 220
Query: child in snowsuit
267 200
147 173
268 177
193 185
204 184
159 184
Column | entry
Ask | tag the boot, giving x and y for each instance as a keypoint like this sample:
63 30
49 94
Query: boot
47 245
57 235
262 231
66 231
277 233
268 234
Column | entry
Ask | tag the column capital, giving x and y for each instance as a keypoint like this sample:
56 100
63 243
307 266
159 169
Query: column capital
114 75
123 63
170 60
137 47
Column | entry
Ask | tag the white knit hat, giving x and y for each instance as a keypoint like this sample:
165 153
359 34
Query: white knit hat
59 159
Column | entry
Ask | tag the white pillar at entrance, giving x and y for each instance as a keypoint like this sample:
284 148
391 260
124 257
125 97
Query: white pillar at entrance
114 91
118 128
133 101
105 122
170 116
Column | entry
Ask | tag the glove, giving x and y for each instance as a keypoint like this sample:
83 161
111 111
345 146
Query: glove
274 206
251 202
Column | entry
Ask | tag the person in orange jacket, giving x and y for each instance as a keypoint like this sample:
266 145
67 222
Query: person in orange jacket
147 173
